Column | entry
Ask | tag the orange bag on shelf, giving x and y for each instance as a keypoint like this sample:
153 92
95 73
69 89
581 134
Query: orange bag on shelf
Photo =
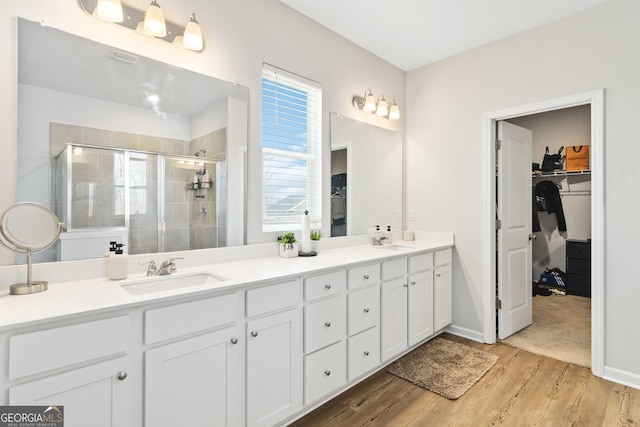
578 158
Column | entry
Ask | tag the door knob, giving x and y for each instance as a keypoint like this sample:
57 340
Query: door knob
532 237
254 334
234 340
122 375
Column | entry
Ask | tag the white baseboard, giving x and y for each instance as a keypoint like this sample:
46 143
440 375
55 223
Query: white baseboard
465 333
622 377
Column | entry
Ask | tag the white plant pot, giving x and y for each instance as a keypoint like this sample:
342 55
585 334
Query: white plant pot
315 246
288 250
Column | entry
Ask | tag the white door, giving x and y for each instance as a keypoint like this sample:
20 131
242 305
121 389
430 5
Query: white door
420 302
442 297
394 318
514 245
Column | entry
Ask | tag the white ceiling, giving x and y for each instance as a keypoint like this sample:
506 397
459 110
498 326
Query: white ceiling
413 33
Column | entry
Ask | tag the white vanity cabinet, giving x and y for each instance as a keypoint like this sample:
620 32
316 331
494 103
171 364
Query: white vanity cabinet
199 380
274 353
416 300
325 332
83 367
443 289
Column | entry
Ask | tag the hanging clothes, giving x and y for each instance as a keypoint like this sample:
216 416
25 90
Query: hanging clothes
546 197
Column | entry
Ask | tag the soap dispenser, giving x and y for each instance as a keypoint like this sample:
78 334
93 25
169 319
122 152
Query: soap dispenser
118 264
377 235
388 235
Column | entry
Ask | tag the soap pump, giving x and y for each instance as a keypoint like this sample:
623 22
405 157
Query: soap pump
388 235
378 234
118 264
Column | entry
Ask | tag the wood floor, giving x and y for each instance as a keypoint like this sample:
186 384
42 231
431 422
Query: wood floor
522 389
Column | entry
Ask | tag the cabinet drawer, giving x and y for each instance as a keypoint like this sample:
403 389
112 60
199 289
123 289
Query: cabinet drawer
324 371
443 257
67 345
420 262
271 298
365 275
325 322
364 309
182 319
394 269
577 249
579 266
364 352
324 285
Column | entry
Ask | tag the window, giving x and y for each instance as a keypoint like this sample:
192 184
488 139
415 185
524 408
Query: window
291 150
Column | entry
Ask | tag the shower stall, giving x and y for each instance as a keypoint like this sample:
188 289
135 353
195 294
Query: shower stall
152 202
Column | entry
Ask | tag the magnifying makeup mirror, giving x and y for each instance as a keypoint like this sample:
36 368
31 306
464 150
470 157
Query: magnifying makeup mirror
26 228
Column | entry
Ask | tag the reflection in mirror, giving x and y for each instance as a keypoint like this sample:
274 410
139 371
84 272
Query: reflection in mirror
127 148
366 177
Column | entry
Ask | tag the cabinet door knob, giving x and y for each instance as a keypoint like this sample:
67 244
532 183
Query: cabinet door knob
366 353
234 340
366 277
327 372
122 375
405 285
327 324
366 310
327 286
437 275
254 333
413 283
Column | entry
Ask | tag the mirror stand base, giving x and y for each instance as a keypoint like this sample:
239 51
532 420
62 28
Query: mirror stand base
26 289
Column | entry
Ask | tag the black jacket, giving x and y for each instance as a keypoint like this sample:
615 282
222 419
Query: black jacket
546 196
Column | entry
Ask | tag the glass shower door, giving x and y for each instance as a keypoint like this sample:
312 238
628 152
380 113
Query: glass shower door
141 208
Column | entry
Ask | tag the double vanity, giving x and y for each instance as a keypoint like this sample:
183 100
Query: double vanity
256 341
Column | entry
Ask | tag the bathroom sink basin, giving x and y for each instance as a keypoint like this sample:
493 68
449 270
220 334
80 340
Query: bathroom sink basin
393 247
153 284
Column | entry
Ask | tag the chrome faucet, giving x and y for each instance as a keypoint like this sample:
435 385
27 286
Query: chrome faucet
152 269
377 240
168 267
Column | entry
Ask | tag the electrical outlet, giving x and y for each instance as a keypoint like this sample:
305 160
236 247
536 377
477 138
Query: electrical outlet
412 215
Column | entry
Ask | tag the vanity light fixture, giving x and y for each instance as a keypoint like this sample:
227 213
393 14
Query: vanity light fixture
109 10
192 38
150 22
394 111
381 108
154 22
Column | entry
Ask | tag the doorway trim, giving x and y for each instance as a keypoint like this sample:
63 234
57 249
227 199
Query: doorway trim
596 100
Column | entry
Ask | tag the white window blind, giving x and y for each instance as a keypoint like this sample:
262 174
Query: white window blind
291 150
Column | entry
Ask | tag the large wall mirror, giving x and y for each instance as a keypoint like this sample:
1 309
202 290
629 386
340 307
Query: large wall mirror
366 177
122 147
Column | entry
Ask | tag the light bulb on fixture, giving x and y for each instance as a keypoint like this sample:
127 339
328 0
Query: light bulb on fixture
109 10
394 111
369 102
154 22
178 40
192 38
383 107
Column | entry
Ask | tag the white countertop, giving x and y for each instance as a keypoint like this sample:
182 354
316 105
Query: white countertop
93 296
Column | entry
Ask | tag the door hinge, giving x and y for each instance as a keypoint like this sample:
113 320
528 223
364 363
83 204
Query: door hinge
498 144
498 304
498 224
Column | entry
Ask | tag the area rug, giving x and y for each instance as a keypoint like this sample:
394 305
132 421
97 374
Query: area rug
444 367
561 329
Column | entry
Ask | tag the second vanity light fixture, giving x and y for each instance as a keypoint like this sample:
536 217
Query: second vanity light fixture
380 106
150 22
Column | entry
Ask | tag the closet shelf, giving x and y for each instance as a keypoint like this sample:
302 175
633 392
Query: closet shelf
561 173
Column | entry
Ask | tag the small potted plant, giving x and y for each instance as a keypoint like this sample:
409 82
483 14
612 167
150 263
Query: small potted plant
288 245
315 235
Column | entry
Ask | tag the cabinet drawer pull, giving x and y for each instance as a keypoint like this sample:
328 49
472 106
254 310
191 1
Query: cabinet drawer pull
327 372
327 324
437 275
366 310
234 340
366 277
366 353
327 286
254 333
413 283
122 375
